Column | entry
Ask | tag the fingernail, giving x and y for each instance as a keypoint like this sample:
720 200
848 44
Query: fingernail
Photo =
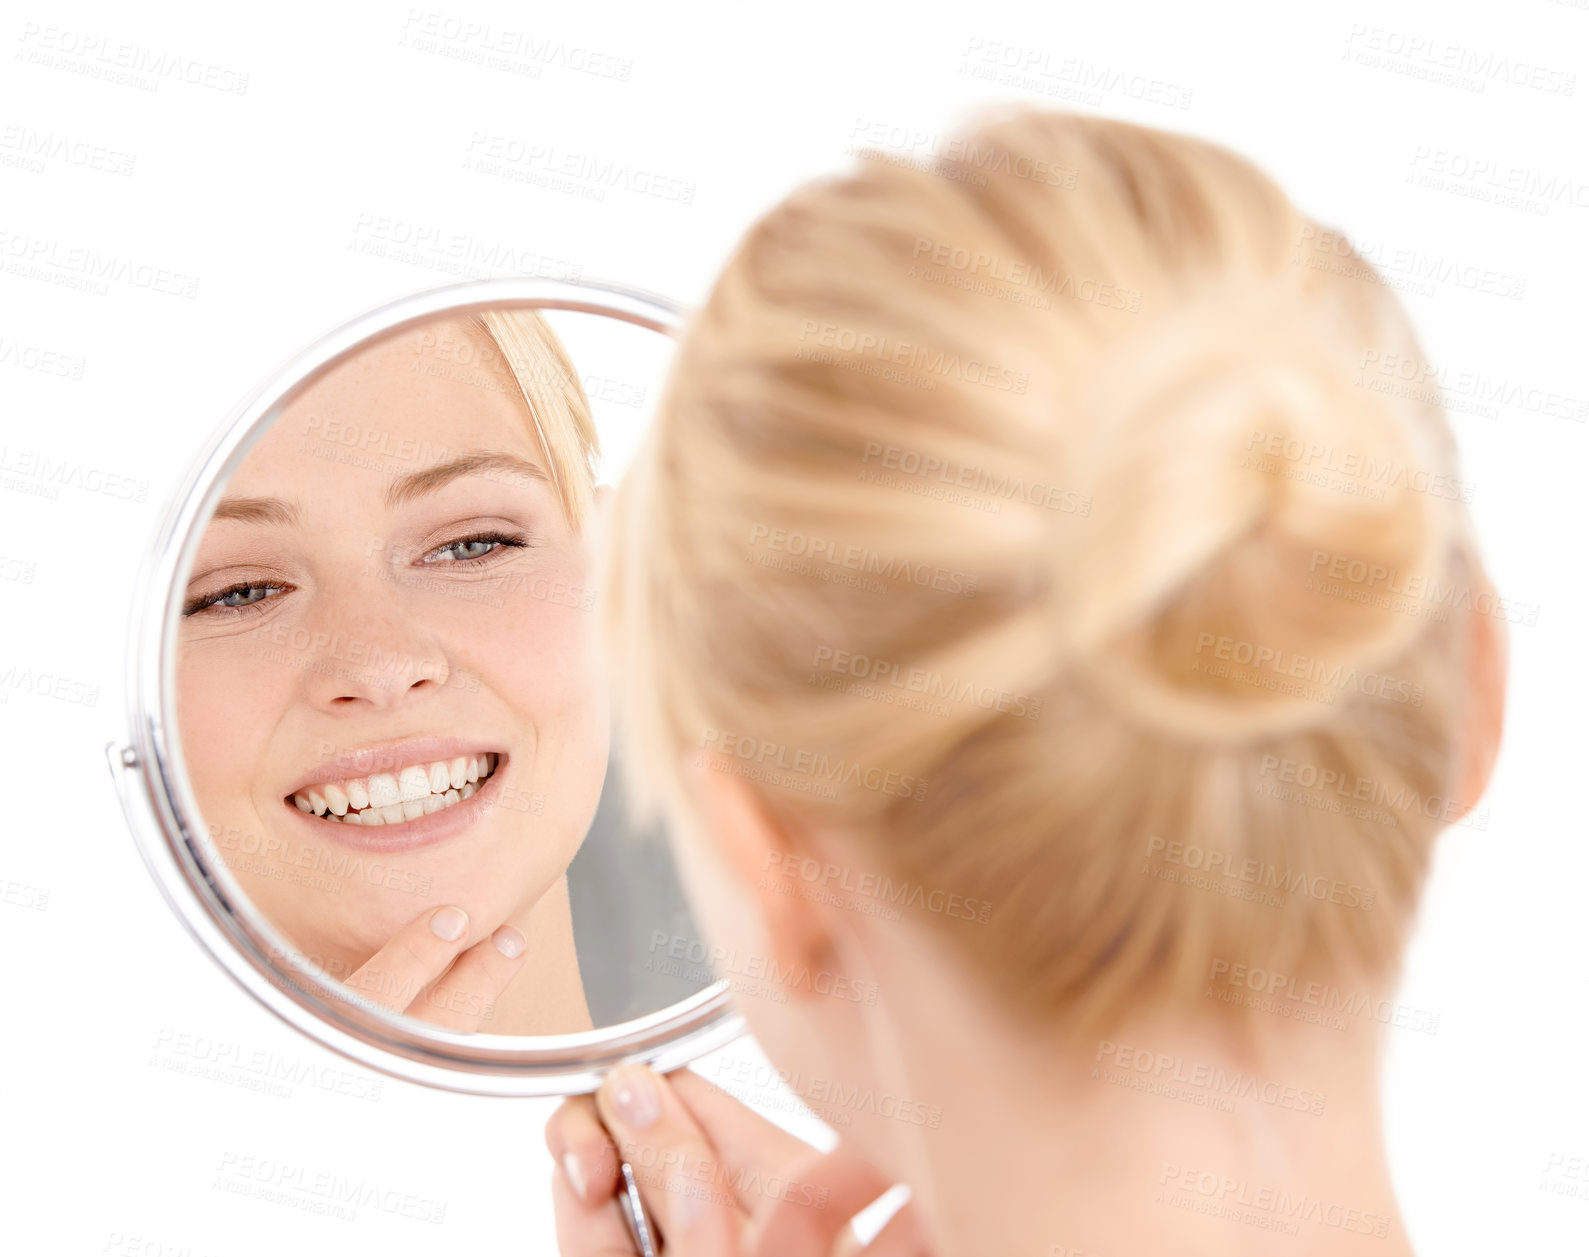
448 924
575 1172
635 1098
511 944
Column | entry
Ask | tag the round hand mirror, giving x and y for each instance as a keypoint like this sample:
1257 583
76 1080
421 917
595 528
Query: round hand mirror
369 758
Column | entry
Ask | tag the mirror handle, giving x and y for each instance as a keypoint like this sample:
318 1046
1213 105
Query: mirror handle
634 1213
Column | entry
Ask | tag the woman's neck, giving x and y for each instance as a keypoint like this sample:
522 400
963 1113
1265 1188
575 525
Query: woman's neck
1165 1137
548 995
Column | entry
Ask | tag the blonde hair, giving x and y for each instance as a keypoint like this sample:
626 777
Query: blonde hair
559 411
1075 461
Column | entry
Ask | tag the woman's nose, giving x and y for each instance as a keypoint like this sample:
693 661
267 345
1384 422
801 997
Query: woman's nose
368 657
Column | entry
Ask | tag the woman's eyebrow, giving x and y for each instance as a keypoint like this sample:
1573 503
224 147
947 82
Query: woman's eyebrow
415 484
257 511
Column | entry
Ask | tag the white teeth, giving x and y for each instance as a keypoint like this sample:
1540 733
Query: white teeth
390 799
383 790
413 783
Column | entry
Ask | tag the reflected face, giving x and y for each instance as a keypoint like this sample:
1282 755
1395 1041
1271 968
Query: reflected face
387 684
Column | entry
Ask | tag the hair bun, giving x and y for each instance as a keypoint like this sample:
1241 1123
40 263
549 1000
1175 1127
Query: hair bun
1235 469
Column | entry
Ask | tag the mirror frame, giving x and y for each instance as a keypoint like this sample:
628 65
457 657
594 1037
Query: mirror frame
163 815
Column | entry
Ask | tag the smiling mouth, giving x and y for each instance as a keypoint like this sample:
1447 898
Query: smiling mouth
396 798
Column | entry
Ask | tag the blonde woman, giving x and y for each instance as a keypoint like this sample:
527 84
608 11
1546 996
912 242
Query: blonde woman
1033 624
388 686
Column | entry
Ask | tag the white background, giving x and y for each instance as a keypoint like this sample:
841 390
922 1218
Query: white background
267 196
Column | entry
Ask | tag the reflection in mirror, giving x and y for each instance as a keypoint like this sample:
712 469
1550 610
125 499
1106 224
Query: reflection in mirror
390 697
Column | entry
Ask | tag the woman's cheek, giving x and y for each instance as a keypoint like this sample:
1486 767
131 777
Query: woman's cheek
544 648
226 708
214 735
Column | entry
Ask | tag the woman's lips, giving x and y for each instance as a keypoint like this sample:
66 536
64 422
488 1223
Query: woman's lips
412 807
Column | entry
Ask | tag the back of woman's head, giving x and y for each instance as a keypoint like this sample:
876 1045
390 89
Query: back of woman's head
1033 519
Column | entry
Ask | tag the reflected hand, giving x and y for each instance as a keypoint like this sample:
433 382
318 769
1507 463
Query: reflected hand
718 1179
420 971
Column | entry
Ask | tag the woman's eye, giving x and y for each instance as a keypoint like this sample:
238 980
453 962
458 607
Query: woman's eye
235 598
472 549
243 597
464 549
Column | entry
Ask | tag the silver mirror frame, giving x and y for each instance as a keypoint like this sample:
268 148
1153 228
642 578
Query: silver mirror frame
152 781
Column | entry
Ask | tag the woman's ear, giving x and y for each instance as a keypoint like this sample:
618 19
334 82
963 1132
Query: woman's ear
757 855
1481 732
